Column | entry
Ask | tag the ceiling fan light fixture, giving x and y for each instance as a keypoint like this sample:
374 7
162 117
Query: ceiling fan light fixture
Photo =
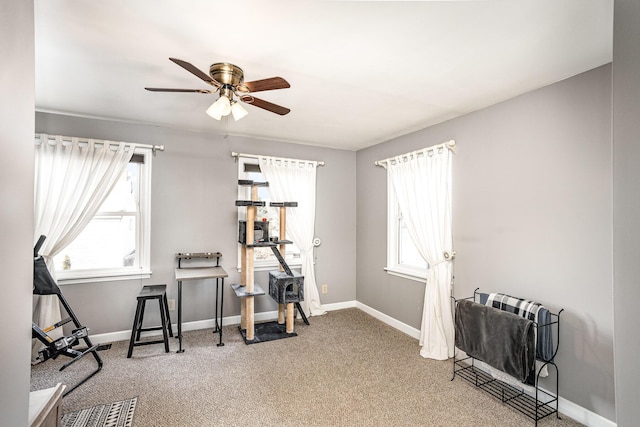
228 79
238 111
222 107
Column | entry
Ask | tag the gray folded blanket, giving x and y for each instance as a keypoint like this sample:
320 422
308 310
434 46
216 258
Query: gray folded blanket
539 314
501 339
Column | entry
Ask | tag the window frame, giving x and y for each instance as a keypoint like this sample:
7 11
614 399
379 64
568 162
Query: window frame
143 156
394 225
258 265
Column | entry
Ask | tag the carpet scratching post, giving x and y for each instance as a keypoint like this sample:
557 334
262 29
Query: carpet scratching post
283 251
289 322
250 237
285 286
250 331
281 314
243 283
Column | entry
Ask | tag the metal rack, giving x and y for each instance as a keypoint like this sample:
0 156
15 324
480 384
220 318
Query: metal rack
537 405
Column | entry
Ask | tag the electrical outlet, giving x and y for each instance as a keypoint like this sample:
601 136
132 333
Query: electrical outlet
171 302
325 288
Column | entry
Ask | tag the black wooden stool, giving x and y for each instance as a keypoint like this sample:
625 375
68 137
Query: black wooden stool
157 292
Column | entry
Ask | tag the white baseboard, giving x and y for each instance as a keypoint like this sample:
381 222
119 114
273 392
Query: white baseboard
565 407
340 305
186 326
582 415
208 323
402 327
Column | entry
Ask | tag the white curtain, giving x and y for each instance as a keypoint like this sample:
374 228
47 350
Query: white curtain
72 179
295 181
422 183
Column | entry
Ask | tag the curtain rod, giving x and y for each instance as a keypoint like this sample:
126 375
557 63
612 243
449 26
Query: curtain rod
154 148
255 156
451 145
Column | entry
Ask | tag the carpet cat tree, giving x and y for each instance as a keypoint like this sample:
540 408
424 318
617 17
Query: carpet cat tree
286 287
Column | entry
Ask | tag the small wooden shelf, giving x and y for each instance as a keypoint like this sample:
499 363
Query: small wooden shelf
196 273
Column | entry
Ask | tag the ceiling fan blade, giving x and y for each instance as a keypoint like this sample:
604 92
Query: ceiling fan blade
261 103
195 71
161 89
266 84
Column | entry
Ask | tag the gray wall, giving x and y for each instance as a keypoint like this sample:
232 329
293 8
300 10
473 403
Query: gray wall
193 210
16 192
626 207
531 218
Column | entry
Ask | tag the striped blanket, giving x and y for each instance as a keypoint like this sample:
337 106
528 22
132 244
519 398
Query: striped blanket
523 308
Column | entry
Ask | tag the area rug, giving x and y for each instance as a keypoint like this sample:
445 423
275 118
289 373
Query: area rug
115 414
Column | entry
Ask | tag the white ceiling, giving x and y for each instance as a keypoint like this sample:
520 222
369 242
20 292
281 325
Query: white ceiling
360 72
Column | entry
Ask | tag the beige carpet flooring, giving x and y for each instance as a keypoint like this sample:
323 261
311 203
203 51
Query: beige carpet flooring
345 369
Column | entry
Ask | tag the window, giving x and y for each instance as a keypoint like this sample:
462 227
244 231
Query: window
115 244
403 258
264 259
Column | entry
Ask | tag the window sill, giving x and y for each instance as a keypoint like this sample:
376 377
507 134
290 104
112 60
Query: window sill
407 274
96 278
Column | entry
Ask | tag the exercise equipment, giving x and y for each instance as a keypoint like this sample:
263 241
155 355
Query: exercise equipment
44 284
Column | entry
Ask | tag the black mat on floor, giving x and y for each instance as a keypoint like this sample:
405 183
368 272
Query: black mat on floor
268 331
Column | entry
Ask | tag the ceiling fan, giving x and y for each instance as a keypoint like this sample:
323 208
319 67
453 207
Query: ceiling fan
229 80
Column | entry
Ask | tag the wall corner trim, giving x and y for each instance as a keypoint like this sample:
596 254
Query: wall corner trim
402 327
